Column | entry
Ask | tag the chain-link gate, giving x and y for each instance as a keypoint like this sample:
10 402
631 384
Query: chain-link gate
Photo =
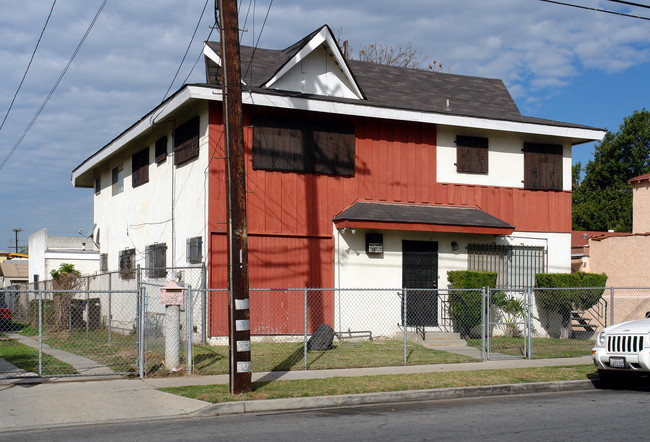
507 323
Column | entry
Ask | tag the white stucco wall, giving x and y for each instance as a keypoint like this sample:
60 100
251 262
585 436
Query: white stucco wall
142 216
505 158
47 253
380 311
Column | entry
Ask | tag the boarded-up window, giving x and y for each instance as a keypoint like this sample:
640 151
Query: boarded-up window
194 250
303 146
140 168
471 154
103 262
542 166
155 260
161 150
127 263
186 141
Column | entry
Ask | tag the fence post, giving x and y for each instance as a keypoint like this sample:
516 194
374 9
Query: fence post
87 306
483 325
529 314
404 322
190 322
204 325
110 314
40 333
305 329
611 303
140 322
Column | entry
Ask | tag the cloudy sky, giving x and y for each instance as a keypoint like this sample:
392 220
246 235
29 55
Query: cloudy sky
558 62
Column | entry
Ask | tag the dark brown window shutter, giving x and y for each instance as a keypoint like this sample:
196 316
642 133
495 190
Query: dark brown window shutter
186 141
471 154
161 150
140 167
303 146
543 166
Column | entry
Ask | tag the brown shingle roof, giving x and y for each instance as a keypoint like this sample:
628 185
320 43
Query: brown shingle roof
397 87
420 214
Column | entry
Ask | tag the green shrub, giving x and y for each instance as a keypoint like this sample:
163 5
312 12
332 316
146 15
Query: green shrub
563 301
465 306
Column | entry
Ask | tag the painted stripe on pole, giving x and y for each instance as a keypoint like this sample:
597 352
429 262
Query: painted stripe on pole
244 367
242 325
242 304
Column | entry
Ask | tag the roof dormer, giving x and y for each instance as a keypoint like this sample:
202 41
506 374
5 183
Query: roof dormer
319 68
314 65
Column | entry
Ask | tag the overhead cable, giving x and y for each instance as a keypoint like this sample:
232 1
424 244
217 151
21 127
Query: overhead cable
630 3
596 9
28 66
56 84
258 39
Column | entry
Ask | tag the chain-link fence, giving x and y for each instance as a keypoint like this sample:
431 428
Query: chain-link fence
119 324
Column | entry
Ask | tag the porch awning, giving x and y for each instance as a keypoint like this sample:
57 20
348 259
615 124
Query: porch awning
15 271
415 217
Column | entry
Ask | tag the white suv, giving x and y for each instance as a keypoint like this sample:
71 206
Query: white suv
623 349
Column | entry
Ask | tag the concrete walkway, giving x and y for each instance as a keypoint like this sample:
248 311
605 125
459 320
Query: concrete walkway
82 365
34 403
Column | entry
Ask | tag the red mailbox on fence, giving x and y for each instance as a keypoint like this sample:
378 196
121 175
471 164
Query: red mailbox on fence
172 294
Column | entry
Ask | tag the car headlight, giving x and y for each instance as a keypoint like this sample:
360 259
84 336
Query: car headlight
601 339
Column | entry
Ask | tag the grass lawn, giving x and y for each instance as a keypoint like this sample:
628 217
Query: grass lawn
25 357
542 348
290 356
371 384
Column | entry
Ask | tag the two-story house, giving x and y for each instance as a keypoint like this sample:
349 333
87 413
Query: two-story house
358 175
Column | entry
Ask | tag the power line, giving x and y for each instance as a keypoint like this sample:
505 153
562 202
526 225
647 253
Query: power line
187 50
258 39
56 84
630 3
11 105
596 9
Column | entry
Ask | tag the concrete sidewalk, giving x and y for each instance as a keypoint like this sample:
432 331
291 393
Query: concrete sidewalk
36 403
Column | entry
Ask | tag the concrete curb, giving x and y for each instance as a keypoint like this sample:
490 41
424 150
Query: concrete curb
306 403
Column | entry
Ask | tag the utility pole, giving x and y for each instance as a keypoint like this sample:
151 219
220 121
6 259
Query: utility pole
17 229
238 300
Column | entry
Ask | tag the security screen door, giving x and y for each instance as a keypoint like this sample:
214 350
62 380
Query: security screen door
420 271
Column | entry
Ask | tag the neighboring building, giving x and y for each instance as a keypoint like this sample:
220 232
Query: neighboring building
47 253
622 255
358 175
13 271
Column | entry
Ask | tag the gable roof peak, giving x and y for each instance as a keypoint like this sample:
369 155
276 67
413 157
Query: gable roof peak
323 73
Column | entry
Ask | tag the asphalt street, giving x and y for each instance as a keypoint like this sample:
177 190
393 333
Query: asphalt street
584 415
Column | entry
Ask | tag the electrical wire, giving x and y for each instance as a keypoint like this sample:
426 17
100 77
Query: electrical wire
152 119
596 9
56 84
11 105
187 50
629 3
258 39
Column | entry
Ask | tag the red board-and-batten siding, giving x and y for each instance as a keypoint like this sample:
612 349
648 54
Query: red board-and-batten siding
290 214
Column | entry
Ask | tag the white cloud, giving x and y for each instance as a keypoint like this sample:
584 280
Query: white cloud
130 57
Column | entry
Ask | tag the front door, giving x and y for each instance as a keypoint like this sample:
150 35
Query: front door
420 271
